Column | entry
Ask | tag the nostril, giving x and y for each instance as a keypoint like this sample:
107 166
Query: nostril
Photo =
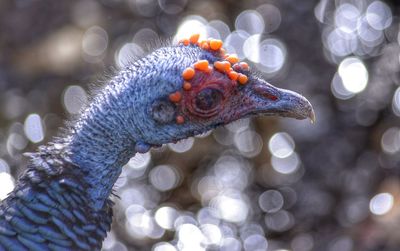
266 92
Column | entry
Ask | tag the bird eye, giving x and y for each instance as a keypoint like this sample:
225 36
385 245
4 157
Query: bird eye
208 98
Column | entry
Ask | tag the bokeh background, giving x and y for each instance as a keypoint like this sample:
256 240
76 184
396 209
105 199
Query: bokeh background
257 184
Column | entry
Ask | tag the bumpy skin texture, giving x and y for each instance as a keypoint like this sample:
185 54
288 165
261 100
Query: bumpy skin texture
62 201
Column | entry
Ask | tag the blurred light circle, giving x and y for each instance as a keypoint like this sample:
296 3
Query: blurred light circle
207 215
164 177
272 17
14 105
379 15
155 232
223 136
369 36
354 74
281 145
231 207
144 36
119 246
146 8
6 184
17 141
95 41
251 228
287 165
251 48
338 89
250 21
182 146
381 203
208 187
212 234
356 209
238 125
272 55
33 128
163 246
74 98
230 244
127 52
302 242
172 6
230 172
139 161
132 197
270 201
390 141
192 24
396 102
4 167
204 134
221 27
343 243
190 236
140 224
212 32
86 13
320 10
184 219
255 242
346 17
165 217
280 221
234 42
249 143
341 45
109 241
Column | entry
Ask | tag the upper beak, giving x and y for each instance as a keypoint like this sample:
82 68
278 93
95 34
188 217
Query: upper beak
270 100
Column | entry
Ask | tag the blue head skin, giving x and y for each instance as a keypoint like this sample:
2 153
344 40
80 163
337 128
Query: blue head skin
135 111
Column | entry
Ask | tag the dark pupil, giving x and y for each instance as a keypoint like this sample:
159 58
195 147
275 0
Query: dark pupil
208 99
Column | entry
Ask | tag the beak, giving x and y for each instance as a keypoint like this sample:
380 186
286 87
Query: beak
270 100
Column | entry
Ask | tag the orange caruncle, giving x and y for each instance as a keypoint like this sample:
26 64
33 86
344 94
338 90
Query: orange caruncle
188 73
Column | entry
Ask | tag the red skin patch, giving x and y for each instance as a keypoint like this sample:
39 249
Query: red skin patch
215 80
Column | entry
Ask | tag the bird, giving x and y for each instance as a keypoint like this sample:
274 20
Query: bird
62 200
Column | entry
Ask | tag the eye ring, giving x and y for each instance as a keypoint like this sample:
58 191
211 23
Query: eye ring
206 102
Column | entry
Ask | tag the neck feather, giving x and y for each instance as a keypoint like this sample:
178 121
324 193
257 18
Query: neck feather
100 142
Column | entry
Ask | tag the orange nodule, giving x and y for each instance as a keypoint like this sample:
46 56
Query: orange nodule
201 65
233 75
205 45
233 59
244 66
175 97
242 79
226 65
180 119
215 44
188 73
194 38
222 50
185 41
218 65
187 86
222 66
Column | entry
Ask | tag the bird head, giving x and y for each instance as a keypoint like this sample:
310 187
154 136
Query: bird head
197 87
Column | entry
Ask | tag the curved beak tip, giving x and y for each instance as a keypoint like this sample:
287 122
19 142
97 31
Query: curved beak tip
312 116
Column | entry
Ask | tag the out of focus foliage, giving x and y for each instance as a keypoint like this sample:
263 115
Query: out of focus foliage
261 184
